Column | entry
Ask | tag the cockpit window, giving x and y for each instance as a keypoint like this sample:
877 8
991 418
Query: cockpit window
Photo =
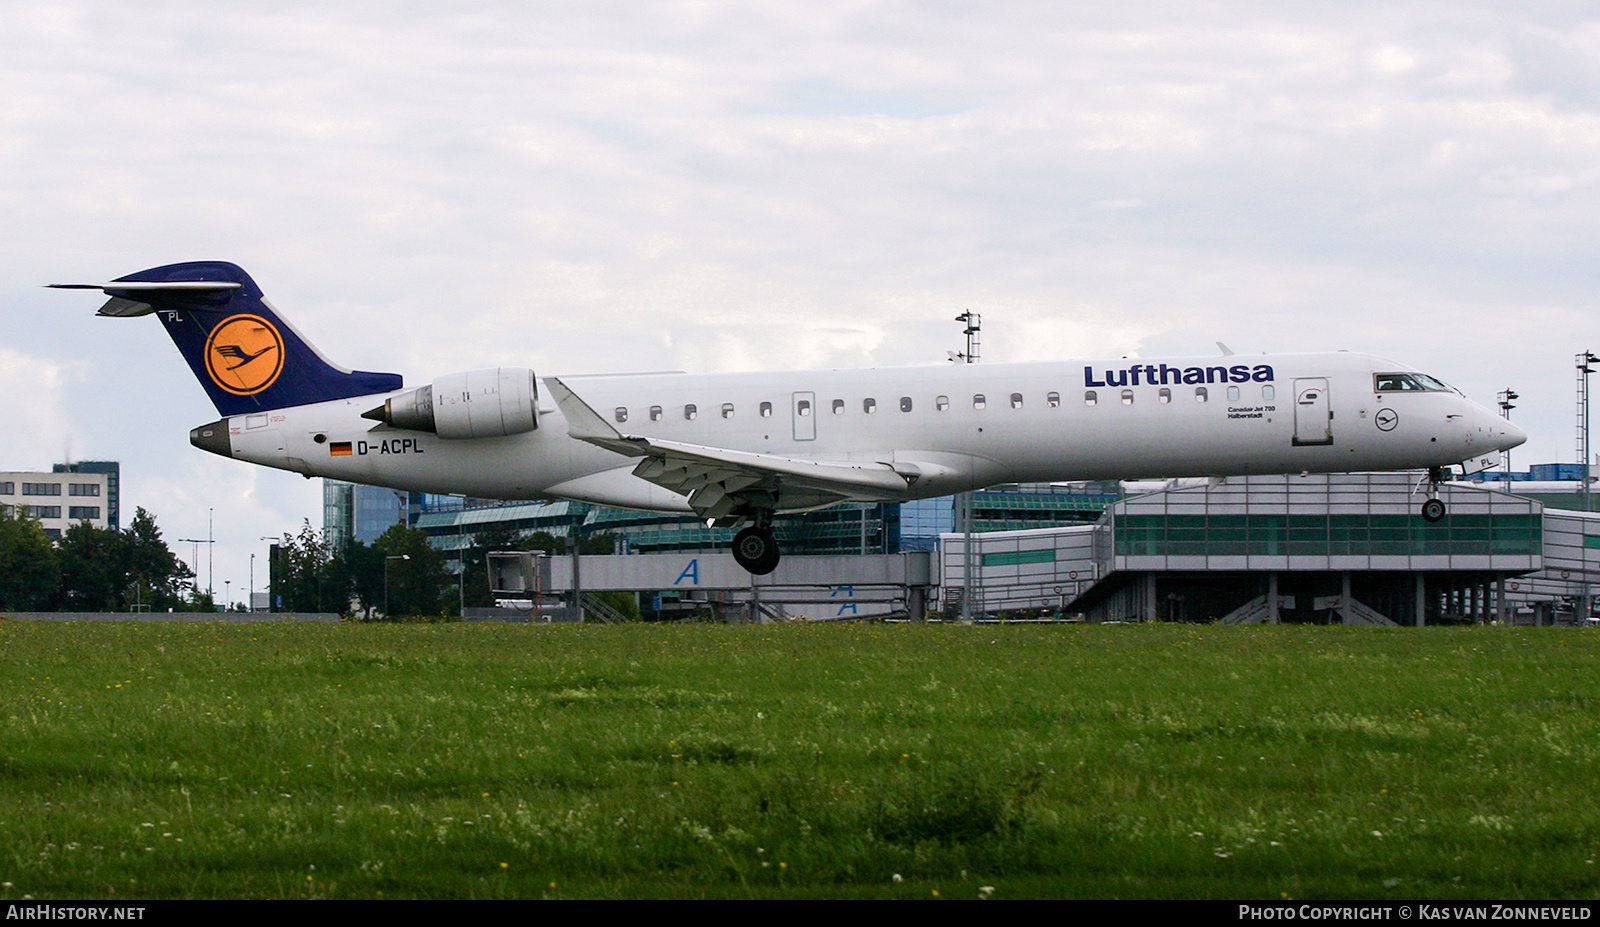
1407 382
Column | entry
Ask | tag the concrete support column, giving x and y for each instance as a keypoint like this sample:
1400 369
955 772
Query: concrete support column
1344 597
1272 598
1421 601
1500 599
1149 597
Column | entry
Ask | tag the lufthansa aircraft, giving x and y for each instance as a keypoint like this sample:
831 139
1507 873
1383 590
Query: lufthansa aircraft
737 448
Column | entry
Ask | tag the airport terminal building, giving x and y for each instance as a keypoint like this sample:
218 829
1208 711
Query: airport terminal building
1339 548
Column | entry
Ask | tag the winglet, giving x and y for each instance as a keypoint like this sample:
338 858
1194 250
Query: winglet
1226 351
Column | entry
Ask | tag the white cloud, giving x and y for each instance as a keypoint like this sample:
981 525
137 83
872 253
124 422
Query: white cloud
37 428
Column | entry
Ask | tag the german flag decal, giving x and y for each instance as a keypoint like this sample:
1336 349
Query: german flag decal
339 449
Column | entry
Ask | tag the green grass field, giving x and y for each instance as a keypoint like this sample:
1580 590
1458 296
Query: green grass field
491 761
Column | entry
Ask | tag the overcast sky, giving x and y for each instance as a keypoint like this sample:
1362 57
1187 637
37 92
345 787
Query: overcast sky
585 187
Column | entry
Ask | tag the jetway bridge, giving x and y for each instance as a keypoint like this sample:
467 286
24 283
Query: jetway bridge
815 587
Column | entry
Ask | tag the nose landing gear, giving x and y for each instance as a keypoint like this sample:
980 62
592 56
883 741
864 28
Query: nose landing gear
1433 509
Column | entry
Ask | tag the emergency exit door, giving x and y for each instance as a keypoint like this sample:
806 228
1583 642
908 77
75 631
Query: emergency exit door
805 416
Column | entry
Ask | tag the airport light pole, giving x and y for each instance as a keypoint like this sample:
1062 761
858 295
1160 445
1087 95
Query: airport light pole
271 561
1504 399
195 559
969 556
1582 362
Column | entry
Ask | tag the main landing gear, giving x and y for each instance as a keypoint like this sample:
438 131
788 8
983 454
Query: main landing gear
1433 510
756 549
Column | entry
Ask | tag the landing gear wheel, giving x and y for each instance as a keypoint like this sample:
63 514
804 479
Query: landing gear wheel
1433 510
756 549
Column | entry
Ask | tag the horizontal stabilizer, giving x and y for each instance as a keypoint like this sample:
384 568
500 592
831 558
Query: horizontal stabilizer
176 286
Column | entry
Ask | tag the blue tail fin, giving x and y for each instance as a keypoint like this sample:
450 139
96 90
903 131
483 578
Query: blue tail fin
246 357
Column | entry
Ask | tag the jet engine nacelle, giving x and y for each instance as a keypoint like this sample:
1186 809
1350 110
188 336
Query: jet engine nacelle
475 404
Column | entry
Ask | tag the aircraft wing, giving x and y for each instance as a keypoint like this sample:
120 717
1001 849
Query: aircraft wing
718 481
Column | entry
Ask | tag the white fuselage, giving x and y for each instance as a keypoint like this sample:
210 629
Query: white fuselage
1035 422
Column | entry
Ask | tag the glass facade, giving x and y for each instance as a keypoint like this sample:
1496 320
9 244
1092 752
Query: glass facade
353 512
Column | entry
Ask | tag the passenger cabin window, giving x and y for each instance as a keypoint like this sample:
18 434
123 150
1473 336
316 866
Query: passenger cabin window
689 411
802 408
622 413
1052 399
838 407
1016 400
941 403
1090 397
905 403
655 413
727 410
1165 396
766 410
1200 394
869 406
1233 394
978 401
1267 392
1127 397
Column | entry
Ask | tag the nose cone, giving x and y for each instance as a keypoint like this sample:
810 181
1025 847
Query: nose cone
1505 435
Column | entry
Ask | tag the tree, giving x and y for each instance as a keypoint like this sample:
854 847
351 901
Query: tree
29 568
357 571
305 578
94 569
106 570
415 572
159 577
